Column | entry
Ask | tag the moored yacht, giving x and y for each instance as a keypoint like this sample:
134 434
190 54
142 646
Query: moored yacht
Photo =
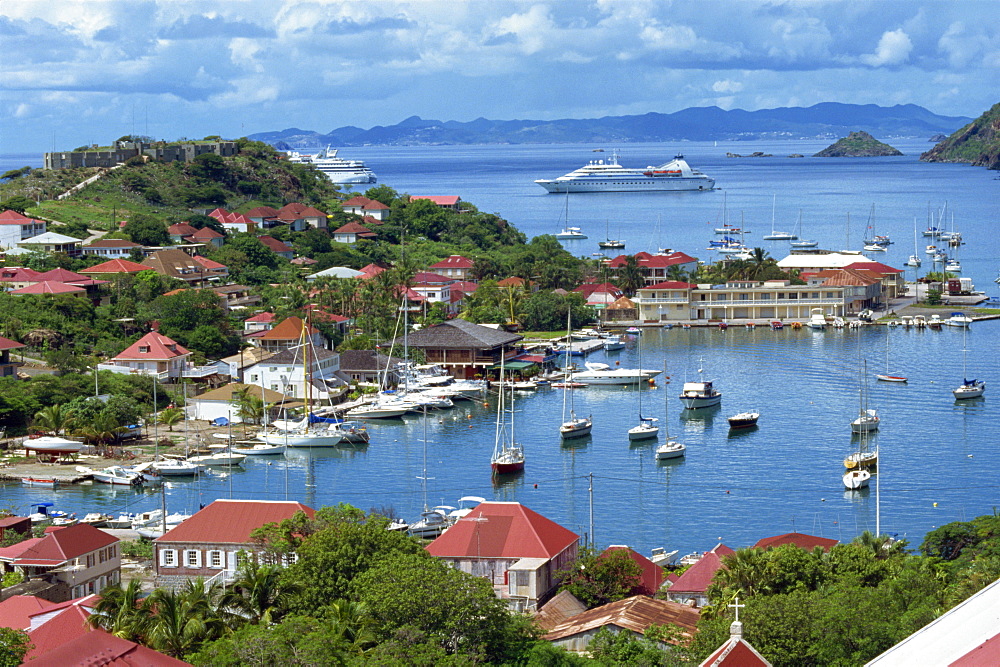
598 373
700 395
606 175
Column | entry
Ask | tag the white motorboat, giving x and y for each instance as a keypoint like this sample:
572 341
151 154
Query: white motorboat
226 459
744 419
48 444
176 468
337 169
696 395
259 449
432 523
524 385
602 374
953 266
958 319
112 475
571 234
817 320
612 343
856 479
607 175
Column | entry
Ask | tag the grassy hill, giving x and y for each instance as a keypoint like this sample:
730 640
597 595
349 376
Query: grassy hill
978 143
858 144
169 190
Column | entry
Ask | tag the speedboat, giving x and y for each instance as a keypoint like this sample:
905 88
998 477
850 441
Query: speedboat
612 343
606 175
598 373
696 395
816 319
432 522
958 320
744 419
337 169
571 233
115 475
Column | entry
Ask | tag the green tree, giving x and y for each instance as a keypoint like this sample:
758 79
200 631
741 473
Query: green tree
259 593
146 230
14 645
17 203
597 579
122 611
630 276
181 622
170 417
54 419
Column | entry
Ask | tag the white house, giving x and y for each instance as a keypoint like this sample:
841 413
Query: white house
285 372
15 227
52 242
222 402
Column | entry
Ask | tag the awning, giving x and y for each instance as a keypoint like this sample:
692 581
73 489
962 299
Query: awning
513 365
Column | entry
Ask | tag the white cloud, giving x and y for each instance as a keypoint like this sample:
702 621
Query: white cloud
22 110
532 28
727 86
893 49
671 37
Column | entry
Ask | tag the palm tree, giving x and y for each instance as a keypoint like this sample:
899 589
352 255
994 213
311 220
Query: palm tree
351 622
171 417
630 276
513 304
181 622
259 593
882 546
121 611
759 262
249 406
53 419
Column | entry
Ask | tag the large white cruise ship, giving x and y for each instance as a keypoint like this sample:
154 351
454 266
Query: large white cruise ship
337 169
608 176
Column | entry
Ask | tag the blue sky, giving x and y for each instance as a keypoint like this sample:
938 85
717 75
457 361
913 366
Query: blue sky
75 72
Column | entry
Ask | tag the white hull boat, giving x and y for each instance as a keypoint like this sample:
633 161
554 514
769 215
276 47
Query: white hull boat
856 479
670 450
376 411
173 468
645 430
613 343
817 320
48 444
700 395
609 176
603 374
262 449
867 421
219 459
576 427
969 389
958 320
571 234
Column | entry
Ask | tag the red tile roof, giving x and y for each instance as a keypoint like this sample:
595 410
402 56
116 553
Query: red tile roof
274 244
877 267
8 344
15 550
645 259
635 613
117 266
262 317
232 521
590 288
365 203
807 542
697 578
312 212
987 653
207 233
288 329
453 262
513 280
428 278
65 544
371 270
208 263
353 228
262 212
17 274
294 208
62 276
466 286
98 647
670 284
60 626
440 200
735 652
652 574
160 347
15 611
182 229
9 217
48 287
510 530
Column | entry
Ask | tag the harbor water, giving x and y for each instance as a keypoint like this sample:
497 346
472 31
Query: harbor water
938 456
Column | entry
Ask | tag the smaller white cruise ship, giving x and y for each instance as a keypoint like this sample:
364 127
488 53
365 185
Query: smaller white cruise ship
606 175
337 169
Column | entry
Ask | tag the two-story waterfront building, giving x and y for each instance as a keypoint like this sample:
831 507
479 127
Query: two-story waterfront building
462 348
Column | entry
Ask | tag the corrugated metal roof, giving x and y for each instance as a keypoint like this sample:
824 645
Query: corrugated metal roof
698 577
232 521
635 613
65 544
808 542
563 606
503 530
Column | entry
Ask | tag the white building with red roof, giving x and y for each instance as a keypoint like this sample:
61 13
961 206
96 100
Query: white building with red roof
444 201
692 586
207 544
8 368
735 651
366 207
599 295
517 549
655 268
16 227
351 232
50 287
233 222
153 354
207 236
260 322
433 287
664 301
16 277
453 266
110 248
180 231
76 560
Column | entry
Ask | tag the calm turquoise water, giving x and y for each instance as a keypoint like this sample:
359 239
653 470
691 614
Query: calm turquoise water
781 477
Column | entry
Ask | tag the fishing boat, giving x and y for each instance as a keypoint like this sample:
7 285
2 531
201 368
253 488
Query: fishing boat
888 376
695 395
670 449
43 482
646 428
573 427
744 419
606 175
508 454
969 388
777 325
612 343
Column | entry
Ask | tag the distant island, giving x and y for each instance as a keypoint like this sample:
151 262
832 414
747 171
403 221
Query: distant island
978 143
828 120
858 144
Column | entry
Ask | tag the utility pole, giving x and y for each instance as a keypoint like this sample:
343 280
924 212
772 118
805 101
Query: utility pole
592 541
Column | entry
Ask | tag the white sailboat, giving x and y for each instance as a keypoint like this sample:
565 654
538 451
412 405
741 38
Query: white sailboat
969 388
914 260
888 376
646 428
868 419
803 243
669 449
574 427
508 454
778 236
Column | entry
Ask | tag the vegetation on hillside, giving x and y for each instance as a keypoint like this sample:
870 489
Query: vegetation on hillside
978 143
858 144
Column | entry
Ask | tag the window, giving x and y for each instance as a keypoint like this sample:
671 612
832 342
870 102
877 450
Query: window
192 558
216 561
253 378
90 560
168 558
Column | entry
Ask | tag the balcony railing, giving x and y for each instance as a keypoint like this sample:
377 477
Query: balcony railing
199 371
127 370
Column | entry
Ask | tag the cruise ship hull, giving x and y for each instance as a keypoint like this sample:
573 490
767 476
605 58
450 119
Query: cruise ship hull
638 184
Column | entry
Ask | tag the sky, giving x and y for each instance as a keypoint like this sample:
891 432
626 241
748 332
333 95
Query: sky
76 72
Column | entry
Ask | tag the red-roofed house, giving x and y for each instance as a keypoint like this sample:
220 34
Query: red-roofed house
453 266
98 647
264 216
63 276
206 544
370 271
366 207
691 586
517 549
893 280
114 266
301 217
110 248
16 277
652 574
154 353
181 230
286 334
8 367
175 263
433 287
279 248
667 300
351 232
599 295
207 236
76 560
735 652
444 201
217 271
16 227
54 626
50 287
801 540
260 322
16 611
655 267
233 222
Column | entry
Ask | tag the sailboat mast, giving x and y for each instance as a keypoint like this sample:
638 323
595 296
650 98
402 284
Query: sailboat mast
306 339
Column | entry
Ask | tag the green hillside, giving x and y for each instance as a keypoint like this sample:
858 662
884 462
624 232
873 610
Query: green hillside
858 144
978 143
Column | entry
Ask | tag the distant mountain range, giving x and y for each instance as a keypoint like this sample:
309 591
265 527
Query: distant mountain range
829 120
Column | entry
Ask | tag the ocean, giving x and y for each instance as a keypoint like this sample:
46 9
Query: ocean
938 456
